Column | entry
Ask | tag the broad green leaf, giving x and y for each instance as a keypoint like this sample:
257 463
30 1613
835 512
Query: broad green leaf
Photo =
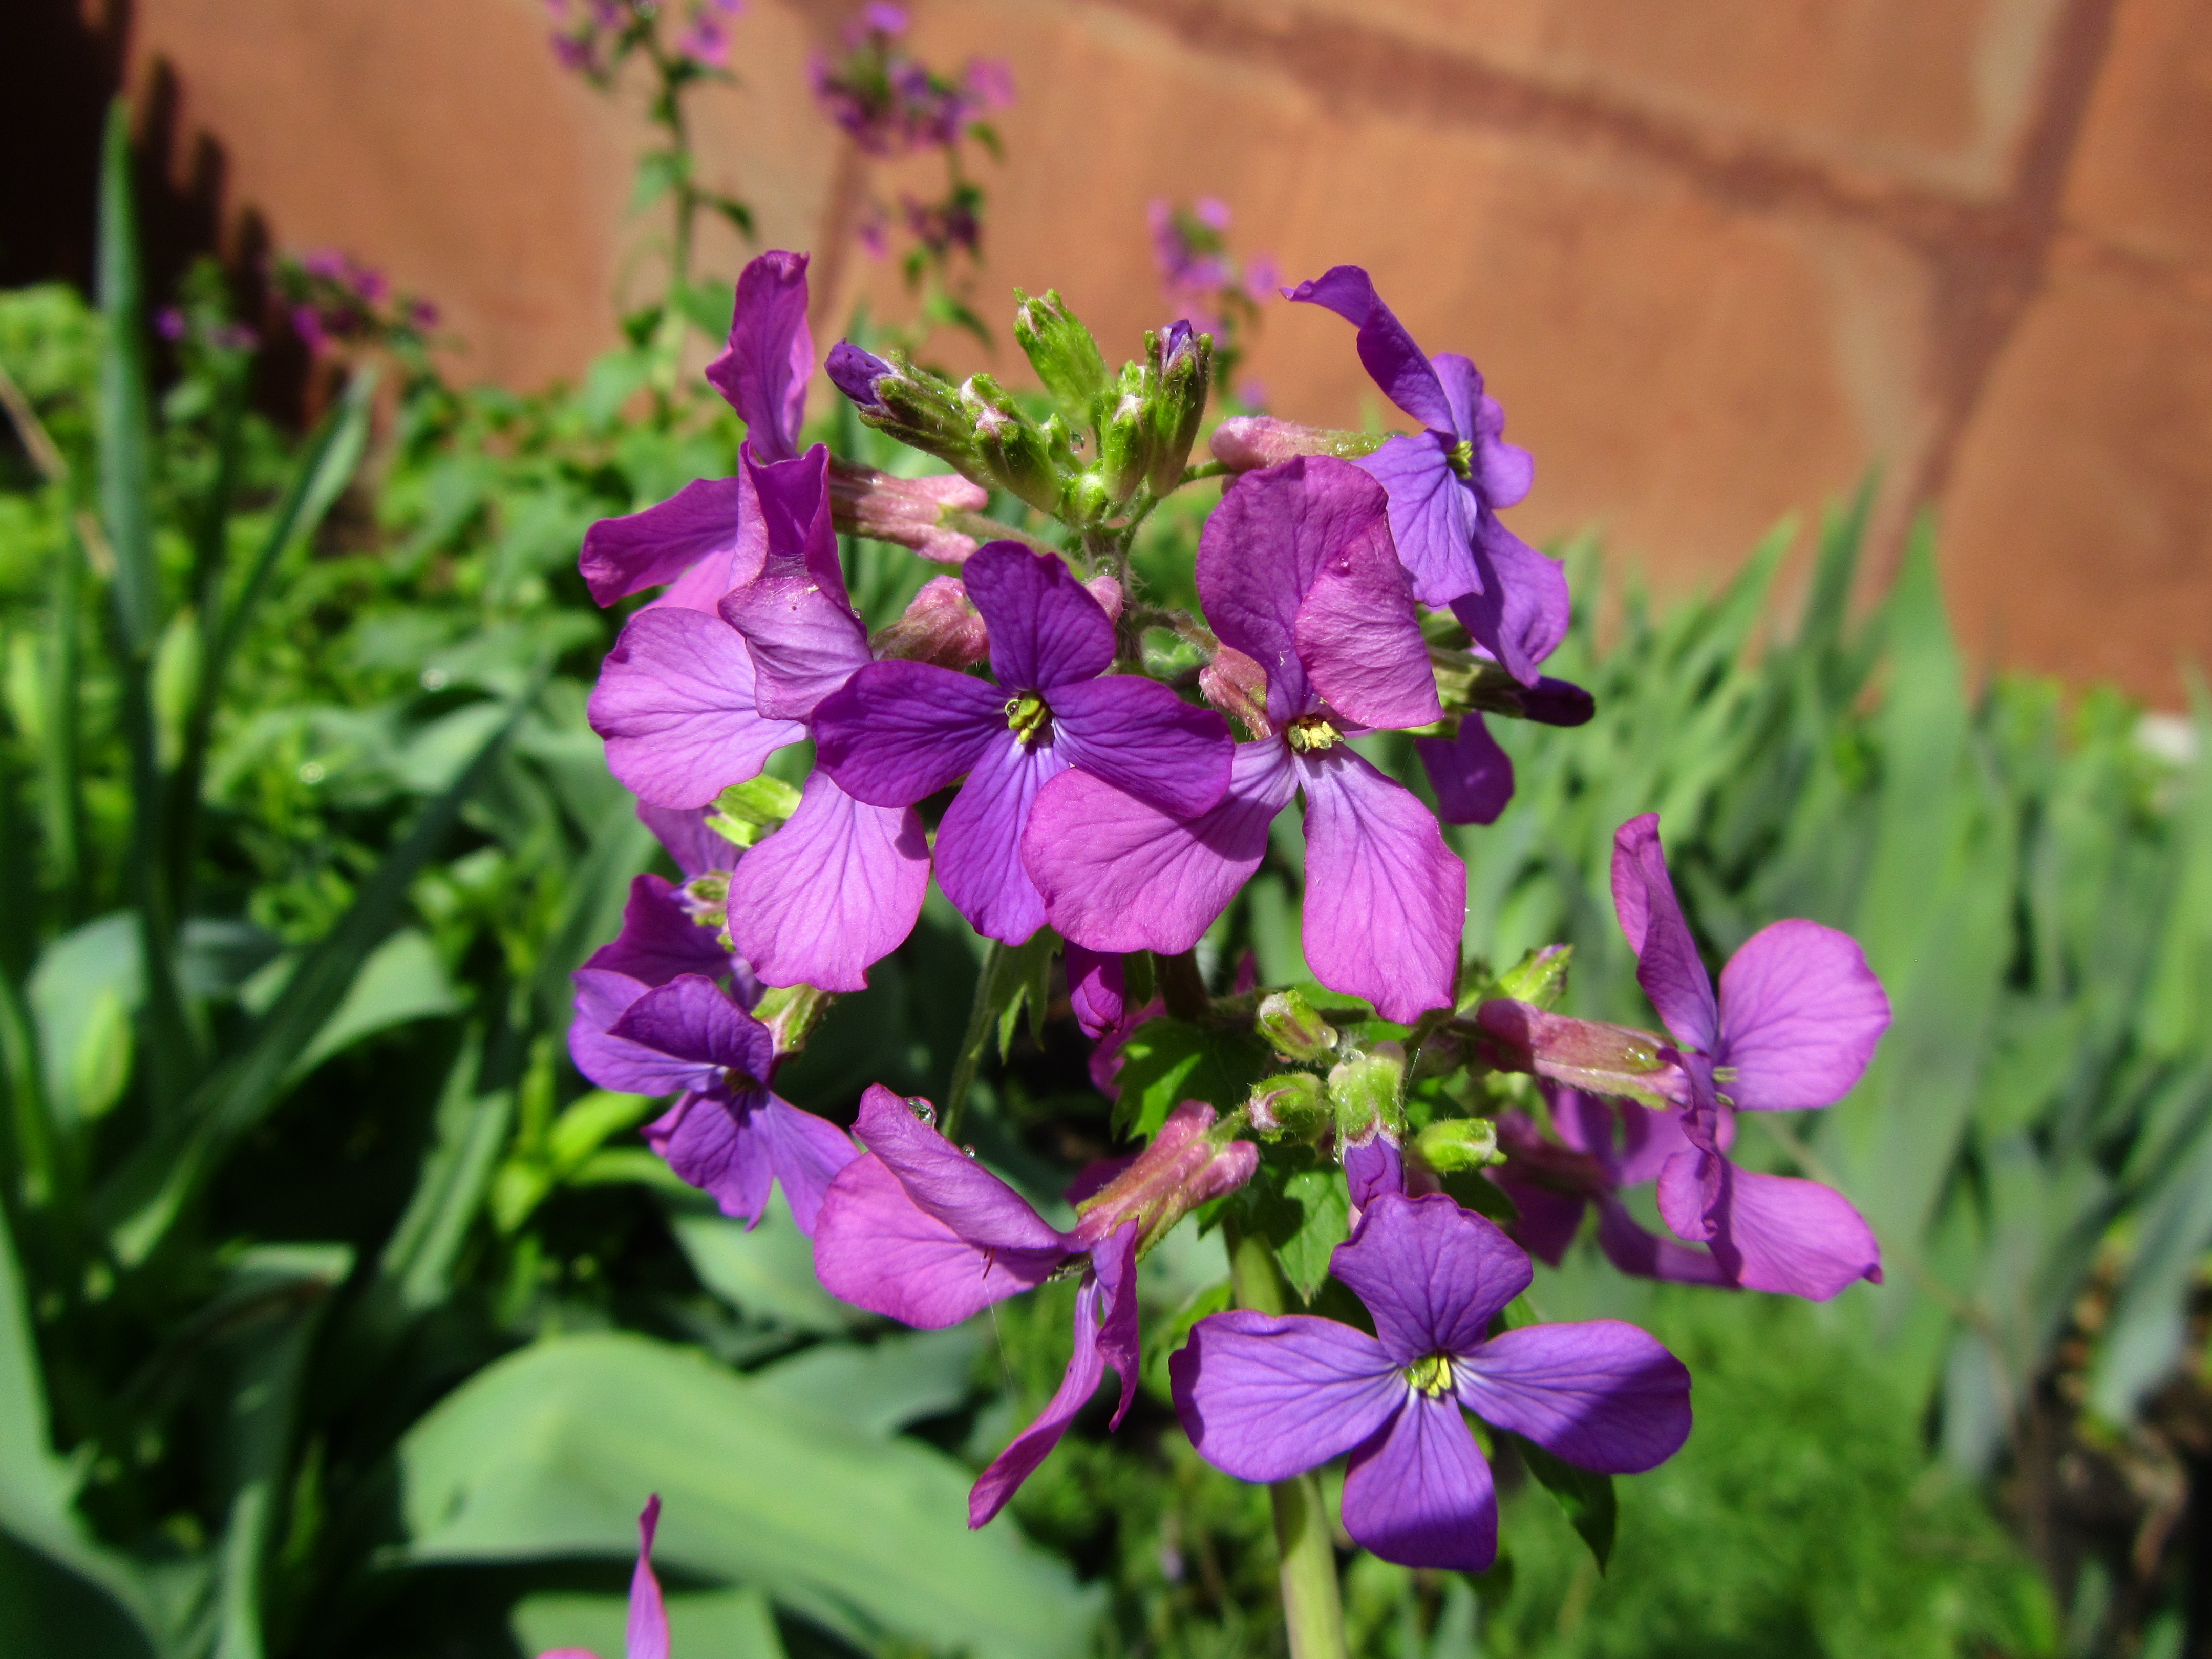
86 983
1588 1499
550 1453
401 981
1166 1063
768 1271
880 1387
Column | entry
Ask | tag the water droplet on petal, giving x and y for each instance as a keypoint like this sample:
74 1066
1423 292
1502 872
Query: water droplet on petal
921 1108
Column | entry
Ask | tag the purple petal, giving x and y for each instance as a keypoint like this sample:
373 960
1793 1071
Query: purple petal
1463 388
1372 1167
806 1153
693 1019
1601 1395
1113 1281
602 998
647 1635
640 551
1045 628
715 1142
1637 1251
1418 1493
1778 1233
1505 471
1472 775
1360 639
1096 990
946 1183
855 372
899 731
1801 1012
1432 1273
1118 875
1385 900
1522 610
659 939
1264 1397
832 891
805 639
675 704
1139 737
1433 515
979 840
690 841
763 371
1263 547
1386 350
1668 965
1558 702
1648 1140
878 1250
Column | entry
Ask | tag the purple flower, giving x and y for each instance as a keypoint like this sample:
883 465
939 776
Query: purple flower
897 731
726 1133
1300 582
647 1636
1796 1021
918 1232
1447 483
1266 1398
1472 775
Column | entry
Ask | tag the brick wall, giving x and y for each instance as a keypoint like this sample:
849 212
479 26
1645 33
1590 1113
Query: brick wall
1718 258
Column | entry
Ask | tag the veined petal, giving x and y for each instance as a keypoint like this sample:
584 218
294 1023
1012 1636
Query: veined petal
805 639
1668 965
762 372
1432 1273
1386 351
715 1142
675 702
658 940
1139 737
693 1019
833 890
1642 1254
1472 775
1418 1493
898 730
1601 1395
806 1151
1434 516
1385 900
1265 1398
602 998
876 1249
1360 639
1118 875
1463 388
1801 1012
979 840
1521 612
638 551
1045 628
948 1184
1792 1237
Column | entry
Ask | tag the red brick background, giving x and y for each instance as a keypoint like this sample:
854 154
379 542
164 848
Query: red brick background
1718 258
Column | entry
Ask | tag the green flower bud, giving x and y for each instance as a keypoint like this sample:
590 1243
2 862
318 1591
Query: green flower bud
1363 1090
1016 453
1125 433
923 411
1184 362
1292 1105
1289 1022
1458 1142
1063 353
1540 977
745 812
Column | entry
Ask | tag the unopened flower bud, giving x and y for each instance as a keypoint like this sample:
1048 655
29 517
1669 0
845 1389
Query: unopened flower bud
1125 435
909 512
1295 1028
1245 442
1603 1059
1237 685
1108 591
1472 684
747 812
1363 1090
1063 353
1539 977
941 626
1186 1165
1293 1104
1016 452
1186 372
919 409
1458 1142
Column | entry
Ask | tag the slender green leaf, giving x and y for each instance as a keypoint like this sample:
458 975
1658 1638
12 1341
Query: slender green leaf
127 421
1588 1499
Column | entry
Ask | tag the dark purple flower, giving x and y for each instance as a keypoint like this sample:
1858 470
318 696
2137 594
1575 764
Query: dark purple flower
918 1232
900 730
1300 582
1266 1398
647 1635
1796 1021
1472 775
1447 483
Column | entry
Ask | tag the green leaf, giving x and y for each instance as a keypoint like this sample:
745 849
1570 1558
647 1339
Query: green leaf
880 1387
1324 1205
550 1453
766 1271
1588 1499
127 421
471 1128
401 981
1167 1061
659 172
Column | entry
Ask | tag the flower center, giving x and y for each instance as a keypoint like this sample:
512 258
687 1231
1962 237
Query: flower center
1461 458
1432 1376
1310 733
1028 718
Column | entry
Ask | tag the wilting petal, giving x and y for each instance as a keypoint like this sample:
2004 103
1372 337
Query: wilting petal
715 1142
948 1184
1636 1250
899 731
1139 737
1263 547
806 1152
1385 900
1361 641
832 891
691 840
640 551
659 939
1264 1397
1045 628
1118 875
1601 1395
1801 1012
878 1250
1386 351
1792 1237
1521 611
763 371
1472 775
979 840
647 1635
805 639
693 1019
1418 1493
675 702
1095 991
1432 1273
1433 515
1668 965
1115 1284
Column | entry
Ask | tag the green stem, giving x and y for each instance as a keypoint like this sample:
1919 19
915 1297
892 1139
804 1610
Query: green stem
1203 470
972 1042
1183 987
1313 1607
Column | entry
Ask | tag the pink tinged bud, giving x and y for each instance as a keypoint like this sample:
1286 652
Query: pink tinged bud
1245 442
942 626
1237 685
1107 592
909 512
1603 1059
1185 1166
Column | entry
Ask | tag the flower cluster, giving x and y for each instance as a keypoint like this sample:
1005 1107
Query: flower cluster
333 301
590 37
1080 768
891 103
